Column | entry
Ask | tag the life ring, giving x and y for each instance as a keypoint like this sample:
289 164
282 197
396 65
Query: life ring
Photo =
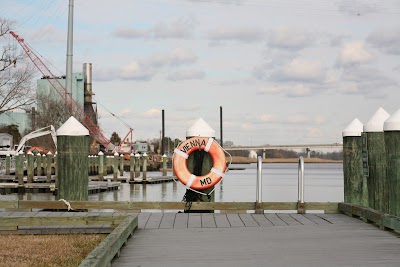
181 154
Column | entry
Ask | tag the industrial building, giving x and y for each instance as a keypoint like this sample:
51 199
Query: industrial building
81 93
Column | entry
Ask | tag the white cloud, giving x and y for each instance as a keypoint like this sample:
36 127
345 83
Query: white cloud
295 90
300 70
296 119
186 75
246 35
181 28
358 7
152 113
386 40
267 118
354 53
314 132
288 38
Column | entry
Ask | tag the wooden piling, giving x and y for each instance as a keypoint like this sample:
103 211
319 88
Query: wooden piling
391 129
44 164
137 165
144 167
73 151
49 166
31 167
19 168
355 184
115 167
101 166
378 197
132 167
38 164
164 165
8 164
121 165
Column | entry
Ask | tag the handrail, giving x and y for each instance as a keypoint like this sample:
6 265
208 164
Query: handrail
301 180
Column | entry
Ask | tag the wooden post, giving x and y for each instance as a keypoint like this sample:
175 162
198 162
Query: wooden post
73 151
144 167
121 165
44 163
137 165
96 165
101 166
19 168
378 197
31 167
48 166
8 164
164 165
355 184
56 169
105 170
39 164
115 167
132 166
391 129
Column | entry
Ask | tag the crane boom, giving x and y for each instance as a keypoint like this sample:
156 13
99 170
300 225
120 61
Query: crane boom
75 108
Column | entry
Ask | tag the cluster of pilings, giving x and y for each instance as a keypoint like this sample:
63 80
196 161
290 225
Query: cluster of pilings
371 162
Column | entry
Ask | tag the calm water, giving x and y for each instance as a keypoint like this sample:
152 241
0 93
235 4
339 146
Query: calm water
323 183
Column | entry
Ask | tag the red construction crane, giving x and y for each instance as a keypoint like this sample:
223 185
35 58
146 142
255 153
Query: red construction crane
75 108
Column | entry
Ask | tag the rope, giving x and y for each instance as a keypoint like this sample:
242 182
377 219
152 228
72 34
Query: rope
67 204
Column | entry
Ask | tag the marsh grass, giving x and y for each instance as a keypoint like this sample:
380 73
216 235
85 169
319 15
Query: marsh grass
46 250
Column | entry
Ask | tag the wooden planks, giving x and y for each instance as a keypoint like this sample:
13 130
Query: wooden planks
231 220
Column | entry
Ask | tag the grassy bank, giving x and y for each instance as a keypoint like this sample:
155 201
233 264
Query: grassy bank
46 250
244 160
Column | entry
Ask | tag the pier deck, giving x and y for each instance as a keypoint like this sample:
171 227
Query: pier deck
181 239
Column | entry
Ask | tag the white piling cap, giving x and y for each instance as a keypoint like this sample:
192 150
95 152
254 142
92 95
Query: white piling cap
72 127
393 122
355 128
164 156
137 155
200 128
375 123
49 153
100 153
144 154
29 153
116 154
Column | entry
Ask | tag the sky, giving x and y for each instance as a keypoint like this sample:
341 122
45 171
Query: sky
284 72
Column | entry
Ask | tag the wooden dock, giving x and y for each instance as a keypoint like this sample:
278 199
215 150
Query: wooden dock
43 187
281 239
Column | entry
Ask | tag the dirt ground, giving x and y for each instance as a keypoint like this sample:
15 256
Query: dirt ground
46 250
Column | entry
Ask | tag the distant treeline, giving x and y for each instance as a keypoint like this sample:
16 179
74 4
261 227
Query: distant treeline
281 153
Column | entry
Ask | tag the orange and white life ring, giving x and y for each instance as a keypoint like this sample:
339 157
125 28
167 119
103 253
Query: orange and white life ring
181 154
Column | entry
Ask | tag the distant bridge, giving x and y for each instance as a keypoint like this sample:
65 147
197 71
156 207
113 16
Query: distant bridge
306 147
268 147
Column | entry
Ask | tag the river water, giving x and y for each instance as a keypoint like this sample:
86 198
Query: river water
323 183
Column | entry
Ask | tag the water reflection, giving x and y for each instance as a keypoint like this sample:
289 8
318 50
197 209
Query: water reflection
323 182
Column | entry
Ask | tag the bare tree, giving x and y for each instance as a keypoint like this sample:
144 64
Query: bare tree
51 110
16 87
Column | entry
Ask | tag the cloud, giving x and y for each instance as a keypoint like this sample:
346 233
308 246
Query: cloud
298 90
181 28
386 40
192 107
152 113
288 38
186 75
300 70
314 132
366 81
357 7
146 68
267 118
245 35
297 119
354 53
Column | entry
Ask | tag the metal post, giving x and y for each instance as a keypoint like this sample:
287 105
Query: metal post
300 185
259 208
70 41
